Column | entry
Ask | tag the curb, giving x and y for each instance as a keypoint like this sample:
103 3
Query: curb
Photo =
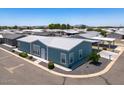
108 67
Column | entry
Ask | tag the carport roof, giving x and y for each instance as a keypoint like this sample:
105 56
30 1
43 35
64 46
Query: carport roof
71 31
104 39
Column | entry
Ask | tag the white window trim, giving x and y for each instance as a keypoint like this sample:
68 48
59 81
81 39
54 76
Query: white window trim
80 51
39 50
61 58
71 54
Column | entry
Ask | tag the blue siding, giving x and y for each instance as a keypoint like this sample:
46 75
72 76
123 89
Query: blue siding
55 54
86 48
41 46
23 46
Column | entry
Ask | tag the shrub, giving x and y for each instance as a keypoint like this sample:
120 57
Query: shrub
13 50
103 33
94 57
51 65
23 54
104 48
30 57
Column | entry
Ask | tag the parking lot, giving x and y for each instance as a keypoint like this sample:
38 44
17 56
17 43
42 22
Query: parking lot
15 71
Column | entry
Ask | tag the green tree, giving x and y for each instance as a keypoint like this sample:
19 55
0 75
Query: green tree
51 26
29 27
63 26
15 27
68 26
83 26
98 30
94 57
20 28
90 29
57 26
103 33
4 27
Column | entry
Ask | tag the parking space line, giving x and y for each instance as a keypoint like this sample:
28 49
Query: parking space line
11 69
1 58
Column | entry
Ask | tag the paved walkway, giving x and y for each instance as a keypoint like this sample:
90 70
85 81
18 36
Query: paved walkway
72 76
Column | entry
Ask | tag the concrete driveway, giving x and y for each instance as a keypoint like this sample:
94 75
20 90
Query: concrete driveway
108 54
14 71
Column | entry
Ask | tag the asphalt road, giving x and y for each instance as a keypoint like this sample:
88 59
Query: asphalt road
15 71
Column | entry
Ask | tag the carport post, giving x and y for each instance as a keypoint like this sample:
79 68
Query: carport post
47 53
30 48
113 43
98 46
109 45
110 57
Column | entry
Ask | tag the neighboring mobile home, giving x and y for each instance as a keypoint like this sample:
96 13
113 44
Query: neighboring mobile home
68 52
118 34
71 32
1 38
11 39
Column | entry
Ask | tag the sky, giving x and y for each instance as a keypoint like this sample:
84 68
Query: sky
73 16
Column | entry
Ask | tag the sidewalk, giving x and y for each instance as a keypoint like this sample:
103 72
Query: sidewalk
39 60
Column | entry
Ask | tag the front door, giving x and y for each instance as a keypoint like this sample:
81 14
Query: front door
43 53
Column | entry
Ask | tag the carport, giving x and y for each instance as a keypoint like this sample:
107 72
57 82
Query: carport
111 41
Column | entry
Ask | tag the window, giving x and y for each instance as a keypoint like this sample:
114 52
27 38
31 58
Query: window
18 44
71 58
80 53
36 49
63 58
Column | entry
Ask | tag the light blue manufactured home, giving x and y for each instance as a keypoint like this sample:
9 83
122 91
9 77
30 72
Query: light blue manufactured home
68 52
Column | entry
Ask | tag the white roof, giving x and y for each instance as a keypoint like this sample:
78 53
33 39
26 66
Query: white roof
1 36
54 30
90 34
95 36
55 42
71 31
33 30
7 31
121 31
29 39
103 38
